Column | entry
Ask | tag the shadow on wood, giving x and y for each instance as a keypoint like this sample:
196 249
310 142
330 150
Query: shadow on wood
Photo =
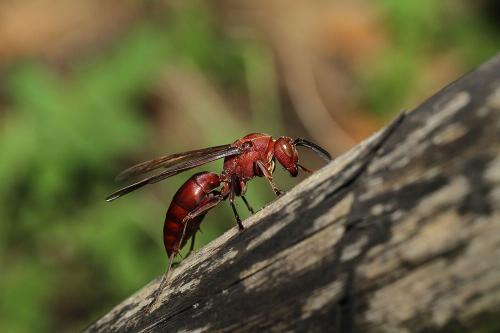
402 233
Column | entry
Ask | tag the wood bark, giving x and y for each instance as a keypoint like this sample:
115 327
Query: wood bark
400 234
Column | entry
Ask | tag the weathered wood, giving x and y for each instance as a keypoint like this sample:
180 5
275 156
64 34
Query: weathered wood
401 234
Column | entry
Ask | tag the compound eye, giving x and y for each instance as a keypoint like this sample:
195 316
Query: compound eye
286 155
286 147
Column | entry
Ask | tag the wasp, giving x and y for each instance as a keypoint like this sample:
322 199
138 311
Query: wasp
254 155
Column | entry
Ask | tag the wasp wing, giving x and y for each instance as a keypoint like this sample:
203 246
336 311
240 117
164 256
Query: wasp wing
176 169
168 161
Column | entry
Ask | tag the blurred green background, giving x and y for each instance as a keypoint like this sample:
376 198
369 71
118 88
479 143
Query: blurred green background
88 88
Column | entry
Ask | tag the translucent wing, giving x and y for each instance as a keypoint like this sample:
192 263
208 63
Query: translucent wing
168 161
176 168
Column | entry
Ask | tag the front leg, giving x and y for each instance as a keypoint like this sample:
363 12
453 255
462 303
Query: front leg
269 177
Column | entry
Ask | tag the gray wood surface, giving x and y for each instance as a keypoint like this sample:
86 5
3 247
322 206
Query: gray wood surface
400 234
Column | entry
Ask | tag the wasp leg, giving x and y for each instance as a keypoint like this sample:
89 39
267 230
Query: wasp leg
191 247
250 209
269 177
232 194
214 201
203 208
238 220
163 283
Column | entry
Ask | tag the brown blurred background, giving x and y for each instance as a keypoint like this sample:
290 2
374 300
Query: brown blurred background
88 88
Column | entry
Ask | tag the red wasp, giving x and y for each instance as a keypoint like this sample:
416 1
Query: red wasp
253 155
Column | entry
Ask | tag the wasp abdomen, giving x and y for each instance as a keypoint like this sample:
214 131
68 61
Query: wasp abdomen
195 192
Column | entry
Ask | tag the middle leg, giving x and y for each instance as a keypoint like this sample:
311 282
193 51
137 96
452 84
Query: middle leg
232 194
237 216
250 209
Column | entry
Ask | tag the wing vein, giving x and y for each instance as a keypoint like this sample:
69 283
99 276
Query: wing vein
174 170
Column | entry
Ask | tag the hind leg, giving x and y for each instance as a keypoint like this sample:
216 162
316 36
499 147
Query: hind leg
191 247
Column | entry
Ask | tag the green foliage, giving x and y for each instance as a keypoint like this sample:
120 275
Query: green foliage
197 42
419 30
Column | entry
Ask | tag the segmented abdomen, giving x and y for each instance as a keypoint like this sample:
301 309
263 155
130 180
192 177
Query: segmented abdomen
195 192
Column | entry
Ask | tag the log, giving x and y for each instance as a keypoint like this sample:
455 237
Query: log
400 234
